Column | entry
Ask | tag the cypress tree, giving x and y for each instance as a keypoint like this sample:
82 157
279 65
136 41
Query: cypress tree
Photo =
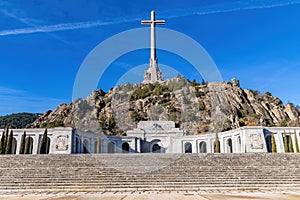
286 148
9 143
98 150
291 148
22 145
296 142
274 149
2 150
27 145
5 139
217 147
43 148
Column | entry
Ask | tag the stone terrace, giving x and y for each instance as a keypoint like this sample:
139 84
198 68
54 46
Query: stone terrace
150 172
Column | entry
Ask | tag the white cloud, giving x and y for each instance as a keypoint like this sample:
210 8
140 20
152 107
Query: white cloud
175 13
14 101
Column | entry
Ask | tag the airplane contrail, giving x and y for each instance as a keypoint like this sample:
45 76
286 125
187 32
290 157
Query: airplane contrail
176 13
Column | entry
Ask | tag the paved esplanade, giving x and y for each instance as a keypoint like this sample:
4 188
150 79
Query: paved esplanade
153 74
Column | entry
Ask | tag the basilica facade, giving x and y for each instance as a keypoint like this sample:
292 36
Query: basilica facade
160 137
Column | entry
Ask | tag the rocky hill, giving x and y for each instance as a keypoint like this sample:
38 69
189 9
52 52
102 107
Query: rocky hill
195 108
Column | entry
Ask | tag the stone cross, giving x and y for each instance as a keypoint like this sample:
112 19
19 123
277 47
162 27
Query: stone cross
153 74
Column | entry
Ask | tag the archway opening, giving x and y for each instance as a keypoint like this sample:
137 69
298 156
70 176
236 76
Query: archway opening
239 144
125 147
14 146
202 147
229 145
156 148
77 145
188 147
85 146
269 143
28 145
48 145
110 147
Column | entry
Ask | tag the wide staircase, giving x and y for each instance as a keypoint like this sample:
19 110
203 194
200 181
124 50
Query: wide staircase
150 172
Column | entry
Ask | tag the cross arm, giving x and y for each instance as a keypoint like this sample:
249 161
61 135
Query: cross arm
159 21
146 21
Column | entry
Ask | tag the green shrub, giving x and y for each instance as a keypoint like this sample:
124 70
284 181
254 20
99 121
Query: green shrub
135 116
102 123
160 89
141 93
268 94
18 120
195 83
201 105
283 124
111 123
52 124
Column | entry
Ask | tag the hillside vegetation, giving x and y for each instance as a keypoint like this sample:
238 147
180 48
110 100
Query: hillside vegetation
18 120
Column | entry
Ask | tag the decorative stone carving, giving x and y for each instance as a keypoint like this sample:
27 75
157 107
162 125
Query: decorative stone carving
256 141
156 126
62 143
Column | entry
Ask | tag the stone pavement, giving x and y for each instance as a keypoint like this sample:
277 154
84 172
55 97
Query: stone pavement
150 196
230 195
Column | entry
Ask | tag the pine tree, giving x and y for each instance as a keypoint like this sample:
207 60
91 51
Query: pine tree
22 145
274 149
43 148
217 147
286 147
9 143
296 142
291 148
2 150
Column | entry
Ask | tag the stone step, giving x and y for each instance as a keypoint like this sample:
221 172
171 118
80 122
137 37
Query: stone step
171 172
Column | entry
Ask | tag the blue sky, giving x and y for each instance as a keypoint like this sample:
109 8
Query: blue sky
43 44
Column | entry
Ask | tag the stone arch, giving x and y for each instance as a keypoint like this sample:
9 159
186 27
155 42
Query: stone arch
48 145
229 146
111 147
156 148
188 147
202 147
239 144
14 146
28 145
125 147
289 140
85 146
268 139
95 146
214 147
77 145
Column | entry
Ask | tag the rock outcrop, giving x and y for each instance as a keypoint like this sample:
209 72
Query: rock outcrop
195 108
